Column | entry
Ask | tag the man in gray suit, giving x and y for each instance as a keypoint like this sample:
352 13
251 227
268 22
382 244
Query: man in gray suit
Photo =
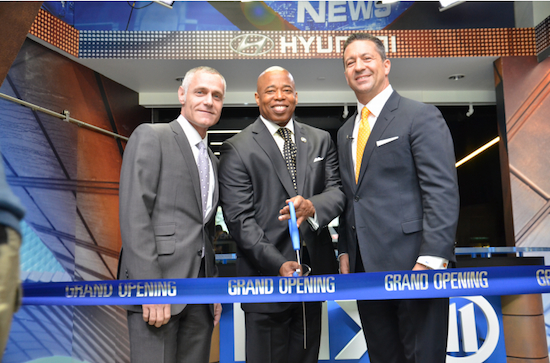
271 162
168 200
402 204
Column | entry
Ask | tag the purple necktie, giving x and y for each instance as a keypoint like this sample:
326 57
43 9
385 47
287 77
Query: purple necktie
204 175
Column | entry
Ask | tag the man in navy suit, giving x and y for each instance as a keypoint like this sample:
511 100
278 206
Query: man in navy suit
402 204
256 185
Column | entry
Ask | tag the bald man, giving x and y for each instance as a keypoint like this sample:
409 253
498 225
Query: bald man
271 162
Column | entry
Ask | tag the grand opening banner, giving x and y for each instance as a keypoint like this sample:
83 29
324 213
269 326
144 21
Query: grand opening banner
489 281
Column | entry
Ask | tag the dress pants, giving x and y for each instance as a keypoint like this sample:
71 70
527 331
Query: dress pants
405 331
279 338
10 285
185 338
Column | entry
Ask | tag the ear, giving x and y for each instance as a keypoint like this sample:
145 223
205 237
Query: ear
257 97
181 95
387 66
296 98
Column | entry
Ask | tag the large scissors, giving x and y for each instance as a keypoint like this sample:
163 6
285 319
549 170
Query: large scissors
295 237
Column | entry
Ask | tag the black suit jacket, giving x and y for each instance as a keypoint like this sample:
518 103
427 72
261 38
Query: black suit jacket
406 201
254 184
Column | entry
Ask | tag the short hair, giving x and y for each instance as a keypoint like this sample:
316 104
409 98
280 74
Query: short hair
191 73
366 36
277 68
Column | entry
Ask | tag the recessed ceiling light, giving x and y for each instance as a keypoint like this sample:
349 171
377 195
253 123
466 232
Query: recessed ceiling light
179 79
456 77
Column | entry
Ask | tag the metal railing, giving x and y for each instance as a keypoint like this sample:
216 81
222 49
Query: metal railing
65 116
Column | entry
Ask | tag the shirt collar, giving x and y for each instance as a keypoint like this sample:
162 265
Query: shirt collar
376 105
191 133
273 127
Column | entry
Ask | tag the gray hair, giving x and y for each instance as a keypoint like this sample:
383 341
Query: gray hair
191 73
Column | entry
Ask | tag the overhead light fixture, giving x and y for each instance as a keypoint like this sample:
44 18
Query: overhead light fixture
470 110
456 77
447 4
166 3
346 111
179 79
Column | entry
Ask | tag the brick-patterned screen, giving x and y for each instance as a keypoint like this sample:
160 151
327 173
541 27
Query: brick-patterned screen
56 32
302 44
431 43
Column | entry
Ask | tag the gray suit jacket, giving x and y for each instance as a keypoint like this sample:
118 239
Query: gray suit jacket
406 201
161 219
254 184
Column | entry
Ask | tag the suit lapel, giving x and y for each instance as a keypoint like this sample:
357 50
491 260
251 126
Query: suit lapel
189 159
215 196
301 159
385 118
347 130
267 144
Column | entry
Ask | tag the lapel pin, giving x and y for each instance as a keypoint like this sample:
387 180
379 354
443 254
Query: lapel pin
303 139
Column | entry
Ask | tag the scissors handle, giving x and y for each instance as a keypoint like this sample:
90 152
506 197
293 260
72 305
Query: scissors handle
293 228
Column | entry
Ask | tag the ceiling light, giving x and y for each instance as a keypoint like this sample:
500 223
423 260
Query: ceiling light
166 3
456 77
447 4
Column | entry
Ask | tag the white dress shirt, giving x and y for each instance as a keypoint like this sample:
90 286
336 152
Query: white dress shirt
194 138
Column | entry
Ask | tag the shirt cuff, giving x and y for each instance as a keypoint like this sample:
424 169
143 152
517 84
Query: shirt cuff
433 262
340 255
313 222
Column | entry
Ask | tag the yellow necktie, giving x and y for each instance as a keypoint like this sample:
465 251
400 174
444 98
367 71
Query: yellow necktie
362 137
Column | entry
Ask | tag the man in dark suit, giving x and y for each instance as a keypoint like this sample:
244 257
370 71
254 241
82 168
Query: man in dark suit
168 200
258 178
402 204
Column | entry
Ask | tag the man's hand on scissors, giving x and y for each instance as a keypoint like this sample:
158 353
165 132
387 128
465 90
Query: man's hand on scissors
303 207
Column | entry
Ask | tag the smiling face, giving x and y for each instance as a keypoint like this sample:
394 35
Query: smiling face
202 104
276 96
366 72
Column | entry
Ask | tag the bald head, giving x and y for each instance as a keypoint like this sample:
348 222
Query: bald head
276 95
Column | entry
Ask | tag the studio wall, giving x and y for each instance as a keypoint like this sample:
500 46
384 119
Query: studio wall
67 178
526 87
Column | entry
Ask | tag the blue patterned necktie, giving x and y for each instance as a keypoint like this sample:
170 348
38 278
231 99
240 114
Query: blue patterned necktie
204 175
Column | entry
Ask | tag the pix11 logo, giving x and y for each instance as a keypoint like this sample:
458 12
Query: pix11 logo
475 332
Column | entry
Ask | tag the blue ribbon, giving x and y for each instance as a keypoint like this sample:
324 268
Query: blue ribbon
361 286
